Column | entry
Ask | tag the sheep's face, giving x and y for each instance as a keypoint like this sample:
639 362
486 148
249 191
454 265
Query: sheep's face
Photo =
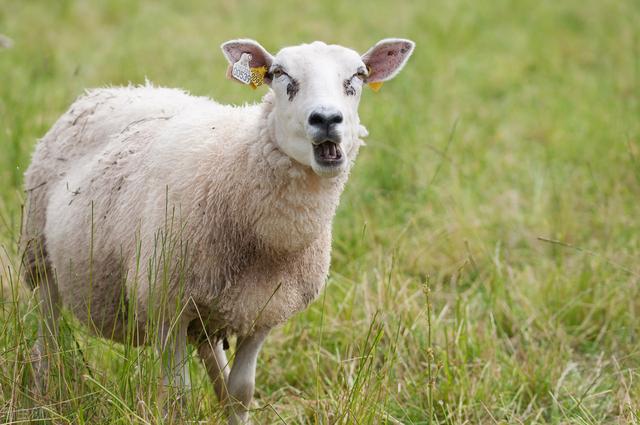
317 92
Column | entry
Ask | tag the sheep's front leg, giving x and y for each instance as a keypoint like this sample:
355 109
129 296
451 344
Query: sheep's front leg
243 375
217 366
175 367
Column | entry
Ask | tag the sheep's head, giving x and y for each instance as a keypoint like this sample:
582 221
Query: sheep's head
317 92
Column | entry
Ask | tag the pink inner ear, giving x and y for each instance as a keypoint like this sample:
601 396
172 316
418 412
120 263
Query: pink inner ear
385 60
258 56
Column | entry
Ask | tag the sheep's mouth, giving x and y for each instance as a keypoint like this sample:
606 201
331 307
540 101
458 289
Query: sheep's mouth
328 153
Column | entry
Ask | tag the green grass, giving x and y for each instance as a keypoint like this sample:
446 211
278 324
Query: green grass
485 264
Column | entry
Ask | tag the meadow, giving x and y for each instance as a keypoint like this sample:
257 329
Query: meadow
485 255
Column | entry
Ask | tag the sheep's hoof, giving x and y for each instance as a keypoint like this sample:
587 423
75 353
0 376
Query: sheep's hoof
40 369
238 414
174 404
242 419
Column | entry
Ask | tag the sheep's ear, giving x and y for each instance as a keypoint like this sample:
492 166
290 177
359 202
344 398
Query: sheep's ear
259 63
386 59
234 49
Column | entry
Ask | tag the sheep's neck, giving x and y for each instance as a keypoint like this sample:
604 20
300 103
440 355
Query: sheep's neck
296 205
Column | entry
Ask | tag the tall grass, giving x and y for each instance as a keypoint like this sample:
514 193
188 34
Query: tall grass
501 172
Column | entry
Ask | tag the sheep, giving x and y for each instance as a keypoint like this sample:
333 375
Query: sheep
237 201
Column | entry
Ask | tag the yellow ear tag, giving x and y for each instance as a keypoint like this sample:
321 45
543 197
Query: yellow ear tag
375 86
257 76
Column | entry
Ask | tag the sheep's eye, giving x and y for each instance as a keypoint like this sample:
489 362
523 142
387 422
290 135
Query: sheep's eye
361 74
277 73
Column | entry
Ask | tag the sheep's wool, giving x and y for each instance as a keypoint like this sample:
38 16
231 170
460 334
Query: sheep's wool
145 196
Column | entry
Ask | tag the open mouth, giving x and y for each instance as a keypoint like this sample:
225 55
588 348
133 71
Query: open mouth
328 153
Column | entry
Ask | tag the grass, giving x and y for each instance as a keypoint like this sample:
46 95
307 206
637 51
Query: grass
485 250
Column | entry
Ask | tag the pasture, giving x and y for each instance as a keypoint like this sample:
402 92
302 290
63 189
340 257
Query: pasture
485 251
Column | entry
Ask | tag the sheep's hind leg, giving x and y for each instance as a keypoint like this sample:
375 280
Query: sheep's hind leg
45 348
243 375
217 366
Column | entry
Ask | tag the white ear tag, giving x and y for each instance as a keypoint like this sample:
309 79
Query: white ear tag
241 70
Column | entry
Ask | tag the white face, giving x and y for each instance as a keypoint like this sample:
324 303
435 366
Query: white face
317 92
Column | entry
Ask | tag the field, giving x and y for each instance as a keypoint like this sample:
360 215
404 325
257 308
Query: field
485 258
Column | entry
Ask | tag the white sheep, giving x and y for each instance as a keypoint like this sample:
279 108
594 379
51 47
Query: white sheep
227 209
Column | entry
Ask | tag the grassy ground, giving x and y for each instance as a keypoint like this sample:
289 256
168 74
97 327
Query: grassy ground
485 251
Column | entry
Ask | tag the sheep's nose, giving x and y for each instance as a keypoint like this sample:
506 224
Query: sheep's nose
324 119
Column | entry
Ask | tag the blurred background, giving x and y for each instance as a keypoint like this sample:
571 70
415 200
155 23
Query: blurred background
485 264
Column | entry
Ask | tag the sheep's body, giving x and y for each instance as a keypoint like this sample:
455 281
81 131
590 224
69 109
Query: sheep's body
126 167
